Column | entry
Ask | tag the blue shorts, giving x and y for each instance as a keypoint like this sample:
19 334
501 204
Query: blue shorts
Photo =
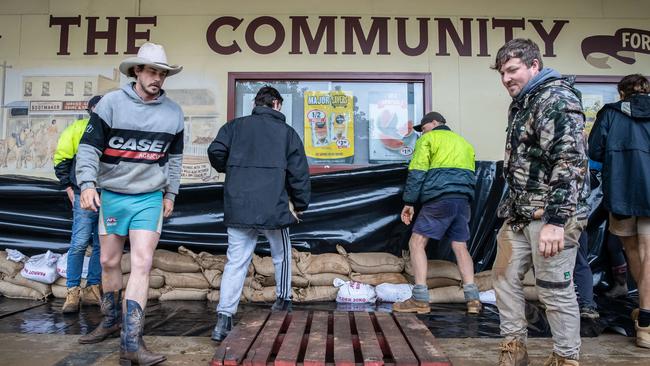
444 217
120 212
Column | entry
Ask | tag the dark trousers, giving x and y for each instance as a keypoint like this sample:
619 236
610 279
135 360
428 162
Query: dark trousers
582 276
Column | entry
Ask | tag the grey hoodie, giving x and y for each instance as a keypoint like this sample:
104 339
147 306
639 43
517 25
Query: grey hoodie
132 146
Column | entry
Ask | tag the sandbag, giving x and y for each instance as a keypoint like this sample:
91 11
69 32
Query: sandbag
296 281
437 268
10 268
389 292
323 263
435 282
354 292
41 268
58 291
366 263
213 276
324 279
43 289
19 292
205 260
173 262
213 296
379 278
266 294
156 279
447 295
184 294
62 266
315 293
264 266
483 280
125 263
154 293
186 280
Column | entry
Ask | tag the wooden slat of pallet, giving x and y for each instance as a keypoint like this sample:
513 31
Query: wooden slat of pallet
233 349
292 342
343 348
370 349
422 341
317 343
400 350
261 350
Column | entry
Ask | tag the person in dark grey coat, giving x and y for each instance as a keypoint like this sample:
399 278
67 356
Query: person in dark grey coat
267 187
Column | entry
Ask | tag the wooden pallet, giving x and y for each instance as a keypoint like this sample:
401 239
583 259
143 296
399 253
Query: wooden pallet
320 338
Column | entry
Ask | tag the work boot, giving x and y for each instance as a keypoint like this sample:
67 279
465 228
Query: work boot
223 327
556 360
589 312
111 307
642 335
71 304
281 305
474 307
635 314
513 353
91 295
133 351
411 306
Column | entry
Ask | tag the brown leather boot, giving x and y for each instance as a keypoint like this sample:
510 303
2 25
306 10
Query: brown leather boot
133 351
411 306
474 307
91 295
71 304
556 360
111 306
513 353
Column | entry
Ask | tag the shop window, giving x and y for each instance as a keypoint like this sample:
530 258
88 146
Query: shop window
596 92
345 120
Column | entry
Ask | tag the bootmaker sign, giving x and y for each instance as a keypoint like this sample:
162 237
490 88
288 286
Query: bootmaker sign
413 36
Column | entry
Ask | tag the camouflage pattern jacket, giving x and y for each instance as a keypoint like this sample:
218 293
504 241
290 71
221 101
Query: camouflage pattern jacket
545 161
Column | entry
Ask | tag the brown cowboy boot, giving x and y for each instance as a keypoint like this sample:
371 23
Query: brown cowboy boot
91 295
556 360
513 353
133 351
71 304
111 307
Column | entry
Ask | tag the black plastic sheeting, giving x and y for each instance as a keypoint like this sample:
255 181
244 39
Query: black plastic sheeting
359 209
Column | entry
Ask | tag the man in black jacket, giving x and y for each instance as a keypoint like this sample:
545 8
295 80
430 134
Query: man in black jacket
620 139
267 186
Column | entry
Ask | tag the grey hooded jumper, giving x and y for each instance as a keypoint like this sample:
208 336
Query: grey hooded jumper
132 146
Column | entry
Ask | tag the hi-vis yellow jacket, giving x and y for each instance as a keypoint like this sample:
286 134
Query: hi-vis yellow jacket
66 150
442 165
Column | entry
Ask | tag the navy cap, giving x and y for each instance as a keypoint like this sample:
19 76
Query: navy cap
429 117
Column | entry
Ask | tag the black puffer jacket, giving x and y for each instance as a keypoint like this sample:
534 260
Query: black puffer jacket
265 165
620 139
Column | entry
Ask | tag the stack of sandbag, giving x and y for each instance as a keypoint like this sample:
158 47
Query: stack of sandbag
14 285
484 282
211 269
320 270
374 268
183 279
443 280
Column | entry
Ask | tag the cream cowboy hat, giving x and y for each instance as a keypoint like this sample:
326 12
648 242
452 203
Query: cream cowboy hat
153 55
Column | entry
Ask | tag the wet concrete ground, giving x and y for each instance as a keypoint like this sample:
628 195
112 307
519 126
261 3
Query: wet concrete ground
36 333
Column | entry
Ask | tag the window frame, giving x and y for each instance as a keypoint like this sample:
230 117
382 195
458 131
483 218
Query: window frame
371 77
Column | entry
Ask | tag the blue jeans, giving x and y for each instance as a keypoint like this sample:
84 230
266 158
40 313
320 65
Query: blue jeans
84 228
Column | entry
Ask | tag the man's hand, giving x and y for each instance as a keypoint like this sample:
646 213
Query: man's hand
89 199
407 214
168 207
551 240
70 193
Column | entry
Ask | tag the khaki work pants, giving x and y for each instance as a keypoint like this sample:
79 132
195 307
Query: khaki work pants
516 252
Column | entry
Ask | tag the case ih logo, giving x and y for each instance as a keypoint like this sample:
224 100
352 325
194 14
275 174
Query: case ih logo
625 40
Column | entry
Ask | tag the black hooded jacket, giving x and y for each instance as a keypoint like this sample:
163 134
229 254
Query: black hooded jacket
265 165
620 139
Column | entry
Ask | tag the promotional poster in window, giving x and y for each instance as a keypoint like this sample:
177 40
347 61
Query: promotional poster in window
329 126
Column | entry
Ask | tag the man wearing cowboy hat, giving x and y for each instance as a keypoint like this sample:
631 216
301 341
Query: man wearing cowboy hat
132 150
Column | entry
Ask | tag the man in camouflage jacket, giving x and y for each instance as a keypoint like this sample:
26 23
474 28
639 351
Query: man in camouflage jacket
545 167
